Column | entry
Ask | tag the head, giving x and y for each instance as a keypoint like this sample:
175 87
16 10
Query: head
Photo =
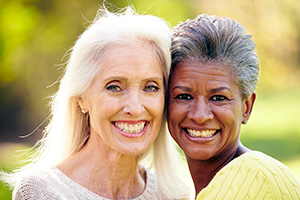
214 73
87 60
125 102
215 39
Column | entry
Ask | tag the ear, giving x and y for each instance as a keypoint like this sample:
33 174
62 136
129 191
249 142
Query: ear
82 104
247 109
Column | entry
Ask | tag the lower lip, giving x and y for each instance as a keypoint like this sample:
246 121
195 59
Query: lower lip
132 135
201 139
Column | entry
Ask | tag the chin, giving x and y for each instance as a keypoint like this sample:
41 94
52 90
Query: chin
198 155
134 151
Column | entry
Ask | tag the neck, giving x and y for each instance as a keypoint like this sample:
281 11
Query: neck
203 171
105 172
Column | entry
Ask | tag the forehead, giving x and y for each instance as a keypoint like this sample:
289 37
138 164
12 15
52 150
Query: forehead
196 74
194 67
134 59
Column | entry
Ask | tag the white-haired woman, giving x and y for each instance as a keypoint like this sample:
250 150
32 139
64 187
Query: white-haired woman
108 127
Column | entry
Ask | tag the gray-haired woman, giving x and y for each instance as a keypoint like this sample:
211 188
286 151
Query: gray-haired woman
214 73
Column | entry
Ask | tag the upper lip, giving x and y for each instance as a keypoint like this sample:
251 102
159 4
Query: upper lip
130 121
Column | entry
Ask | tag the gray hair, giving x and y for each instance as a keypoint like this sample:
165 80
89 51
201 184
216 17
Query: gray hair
222 40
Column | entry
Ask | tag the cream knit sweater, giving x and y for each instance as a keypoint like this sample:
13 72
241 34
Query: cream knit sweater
50 183
252 176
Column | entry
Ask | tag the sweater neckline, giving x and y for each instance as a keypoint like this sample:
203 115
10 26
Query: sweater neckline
150 189
228 166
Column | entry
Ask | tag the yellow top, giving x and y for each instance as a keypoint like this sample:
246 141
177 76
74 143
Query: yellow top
253 175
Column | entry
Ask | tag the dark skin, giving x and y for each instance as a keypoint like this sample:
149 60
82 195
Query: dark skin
203 171
205 113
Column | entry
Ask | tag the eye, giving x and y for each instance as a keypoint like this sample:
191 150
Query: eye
218 98
184 97
151 88
113 88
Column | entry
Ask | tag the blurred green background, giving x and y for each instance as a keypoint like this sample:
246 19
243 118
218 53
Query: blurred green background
35 34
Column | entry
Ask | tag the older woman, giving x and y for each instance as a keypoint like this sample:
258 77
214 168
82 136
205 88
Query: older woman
108 127
214 73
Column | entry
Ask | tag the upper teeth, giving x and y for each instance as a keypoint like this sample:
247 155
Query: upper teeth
130 128
206 133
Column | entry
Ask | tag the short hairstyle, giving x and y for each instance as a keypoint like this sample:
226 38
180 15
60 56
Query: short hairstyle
222 40
68 129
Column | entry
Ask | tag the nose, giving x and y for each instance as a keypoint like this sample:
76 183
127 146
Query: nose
134 105
200 111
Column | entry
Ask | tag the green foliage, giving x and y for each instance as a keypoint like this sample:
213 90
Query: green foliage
275 116
5 194
35 34
11 155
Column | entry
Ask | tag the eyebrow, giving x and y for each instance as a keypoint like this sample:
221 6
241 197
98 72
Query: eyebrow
155 78
187 89
215 90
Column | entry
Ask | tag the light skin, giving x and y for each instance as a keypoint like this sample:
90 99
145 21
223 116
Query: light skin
123 122
205 113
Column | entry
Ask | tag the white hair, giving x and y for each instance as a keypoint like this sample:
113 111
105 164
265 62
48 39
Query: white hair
68 129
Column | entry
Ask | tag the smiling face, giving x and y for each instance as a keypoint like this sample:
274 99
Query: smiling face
205 110
126 100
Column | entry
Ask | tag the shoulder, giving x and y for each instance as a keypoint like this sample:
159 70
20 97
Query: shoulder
39 183
254 175
268 166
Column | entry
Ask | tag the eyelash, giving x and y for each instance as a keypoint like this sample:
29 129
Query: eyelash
116 88
189 97
111 88
218 98
184 97
156 88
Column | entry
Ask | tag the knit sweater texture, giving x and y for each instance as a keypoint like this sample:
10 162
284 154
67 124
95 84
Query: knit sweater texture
51 183
253 176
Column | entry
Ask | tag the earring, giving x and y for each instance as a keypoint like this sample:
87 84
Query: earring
244 121
83 111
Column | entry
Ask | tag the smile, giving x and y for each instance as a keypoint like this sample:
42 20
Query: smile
203 134
131 128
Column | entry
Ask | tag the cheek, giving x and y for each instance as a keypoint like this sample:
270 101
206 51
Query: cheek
175 115
100 108
176 111
171 112
174 119
229 117
158 104
162 104
154 106
226 112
